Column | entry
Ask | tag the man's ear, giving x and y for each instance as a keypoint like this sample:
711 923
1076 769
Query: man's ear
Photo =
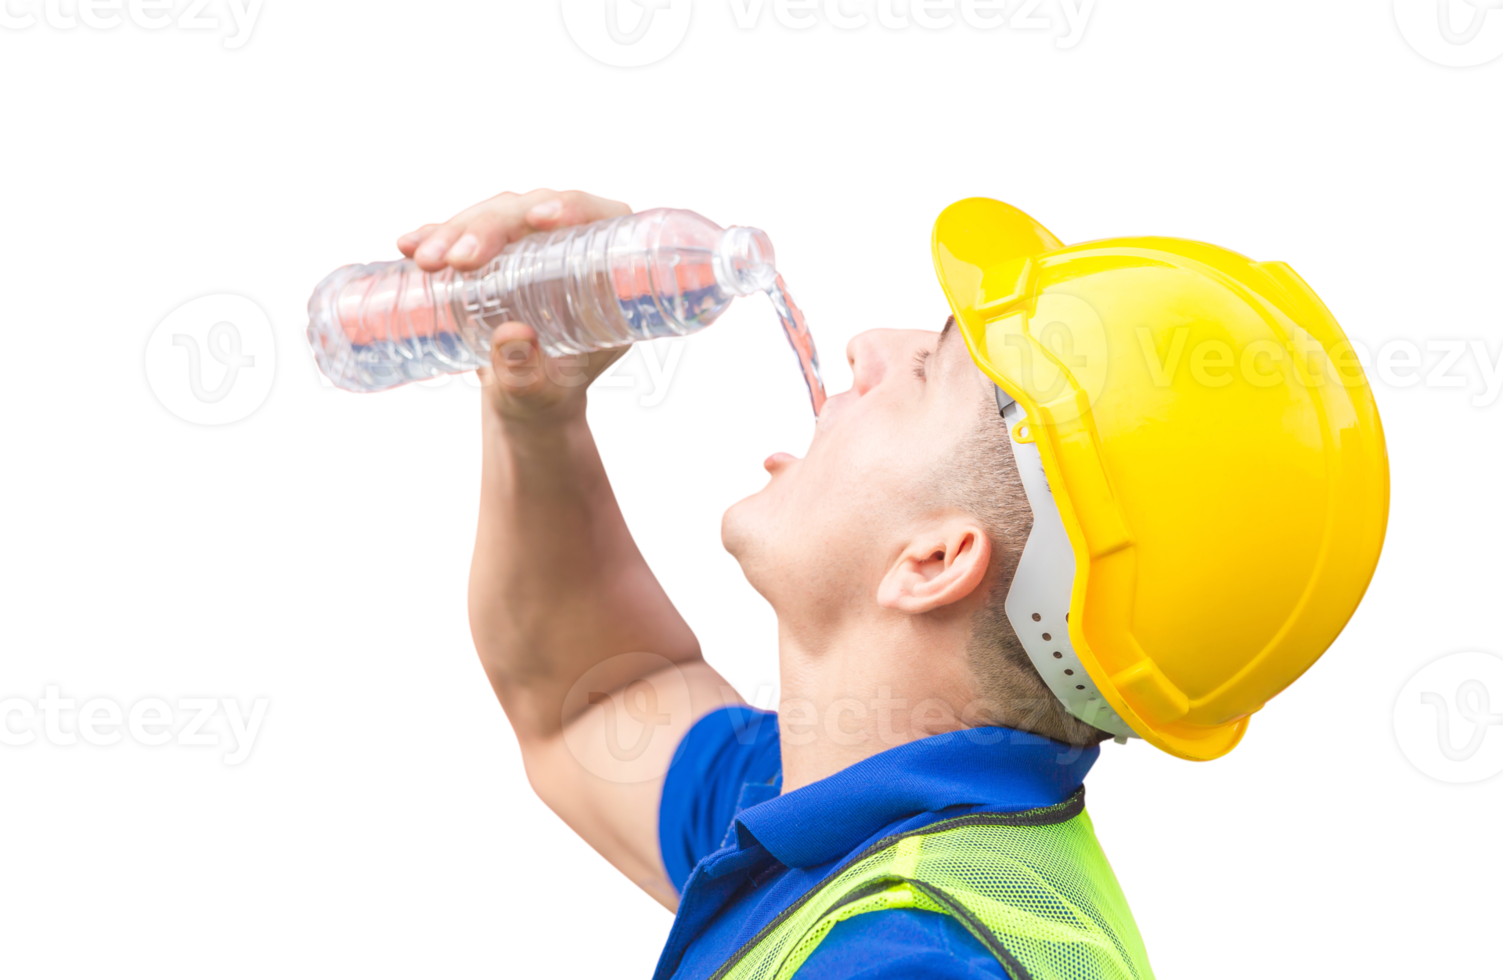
940 566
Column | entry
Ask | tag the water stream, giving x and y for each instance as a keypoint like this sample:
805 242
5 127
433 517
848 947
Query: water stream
800 340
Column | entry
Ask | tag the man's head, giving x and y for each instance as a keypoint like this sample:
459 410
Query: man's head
906 514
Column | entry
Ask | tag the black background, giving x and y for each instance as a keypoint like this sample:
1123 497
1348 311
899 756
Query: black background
316 552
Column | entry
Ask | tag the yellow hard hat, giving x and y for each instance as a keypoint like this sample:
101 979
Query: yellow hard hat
1211 448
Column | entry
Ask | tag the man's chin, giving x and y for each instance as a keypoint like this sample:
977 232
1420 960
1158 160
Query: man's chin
746 531
742 537
737 530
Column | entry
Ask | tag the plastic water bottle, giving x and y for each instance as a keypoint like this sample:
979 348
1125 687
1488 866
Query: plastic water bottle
660 273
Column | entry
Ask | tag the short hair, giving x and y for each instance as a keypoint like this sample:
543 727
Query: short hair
983 481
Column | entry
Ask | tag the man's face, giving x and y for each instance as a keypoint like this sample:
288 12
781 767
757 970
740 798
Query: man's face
819 537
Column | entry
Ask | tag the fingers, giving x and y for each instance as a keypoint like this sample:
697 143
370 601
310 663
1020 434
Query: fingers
409 242
516 359
476 235
572 208
523 382
436 244
525 385
483 235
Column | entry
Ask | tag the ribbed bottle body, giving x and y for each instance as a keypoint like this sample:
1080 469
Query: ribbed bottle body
658 273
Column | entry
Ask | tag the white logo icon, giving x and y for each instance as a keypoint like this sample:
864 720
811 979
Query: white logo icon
212 360
627 33
1455 33
1448 721
635 726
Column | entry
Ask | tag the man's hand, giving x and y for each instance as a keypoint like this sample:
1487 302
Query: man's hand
522 384
477 234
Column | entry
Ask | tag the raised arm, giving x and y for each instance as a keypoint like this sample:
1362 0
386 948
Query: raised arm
598 673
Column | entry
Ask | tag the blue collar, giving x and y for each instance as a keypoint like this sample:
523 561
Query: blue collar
992 767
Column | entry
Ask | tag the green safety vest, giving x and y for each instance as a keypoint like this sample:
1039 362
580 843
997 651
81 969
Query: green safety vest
1033 887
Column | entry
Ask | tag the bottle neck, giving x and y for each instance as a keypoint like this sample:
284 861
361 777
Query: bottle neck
743 261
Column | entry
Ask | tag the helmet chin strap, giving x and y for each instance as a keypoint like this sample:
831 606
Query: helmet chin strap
1038 602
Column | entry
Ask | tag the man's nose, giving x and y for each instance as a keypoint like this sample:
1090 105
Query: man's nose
867 353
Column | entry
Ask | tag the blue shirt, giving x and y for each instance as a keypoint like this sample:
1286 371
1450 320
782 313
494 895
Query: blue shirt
740 851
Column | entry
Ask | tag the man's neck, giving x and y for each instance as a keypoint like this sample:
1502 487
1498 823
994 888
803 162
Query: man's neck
853 693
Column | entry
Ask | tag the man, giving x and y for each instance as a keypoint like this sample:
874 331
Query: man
978 575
